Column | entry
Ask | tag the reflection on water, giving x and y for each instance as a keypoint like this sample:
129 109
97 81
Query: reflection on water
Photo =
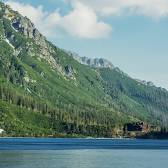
91 158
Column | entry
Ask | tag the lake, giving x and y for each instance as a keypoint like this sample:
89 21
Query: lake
82 153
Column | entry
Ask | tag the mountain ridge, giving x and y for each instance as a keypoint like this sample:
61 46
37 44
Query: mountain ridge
92 62
45 91
104 63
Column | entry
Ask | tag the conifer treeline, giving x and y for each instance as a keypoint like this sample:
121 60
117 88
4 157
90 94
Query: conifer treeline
69 119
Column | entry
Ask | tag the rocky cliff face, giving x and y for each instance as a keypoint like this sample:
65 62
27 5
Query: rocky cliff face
92 62
36 44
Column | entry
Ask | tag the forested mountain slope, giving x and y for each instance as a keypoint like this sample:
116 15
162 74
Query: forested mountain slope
45 91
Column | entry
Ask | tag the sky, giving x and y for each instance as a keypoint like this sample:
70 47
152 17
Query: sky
132 34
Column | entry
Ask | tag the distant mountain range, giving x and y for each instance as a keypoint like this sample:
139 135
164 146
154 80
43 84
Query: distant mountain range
47 91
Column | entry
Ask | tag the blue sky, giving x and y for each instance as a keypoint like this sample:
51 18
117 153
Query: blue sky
132 34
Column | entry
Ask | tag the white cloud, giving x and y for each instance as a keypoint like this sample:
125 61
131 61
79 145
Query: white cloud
80 22
83 22
152 8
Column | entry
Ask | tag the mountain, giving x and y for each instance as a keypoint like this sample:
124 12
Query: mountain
92 62
47 91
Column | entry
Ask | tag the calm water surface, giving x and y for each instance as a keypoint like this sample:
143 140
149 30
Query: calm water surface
82 153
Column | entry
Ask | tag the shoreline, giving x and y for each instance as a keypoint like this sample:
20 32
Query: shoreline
89 138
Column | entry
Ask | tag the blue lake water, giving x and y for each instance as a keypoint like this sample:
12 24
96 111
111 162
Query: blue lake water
82 153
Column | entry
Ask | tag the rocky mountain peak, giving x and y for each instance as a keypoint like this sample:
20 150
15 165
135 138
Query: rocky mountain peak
20 28
92 62
27 28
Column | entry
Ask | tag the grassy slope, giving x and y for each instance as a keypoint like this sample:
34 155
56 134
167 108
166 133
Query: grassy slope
144 101
52 88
